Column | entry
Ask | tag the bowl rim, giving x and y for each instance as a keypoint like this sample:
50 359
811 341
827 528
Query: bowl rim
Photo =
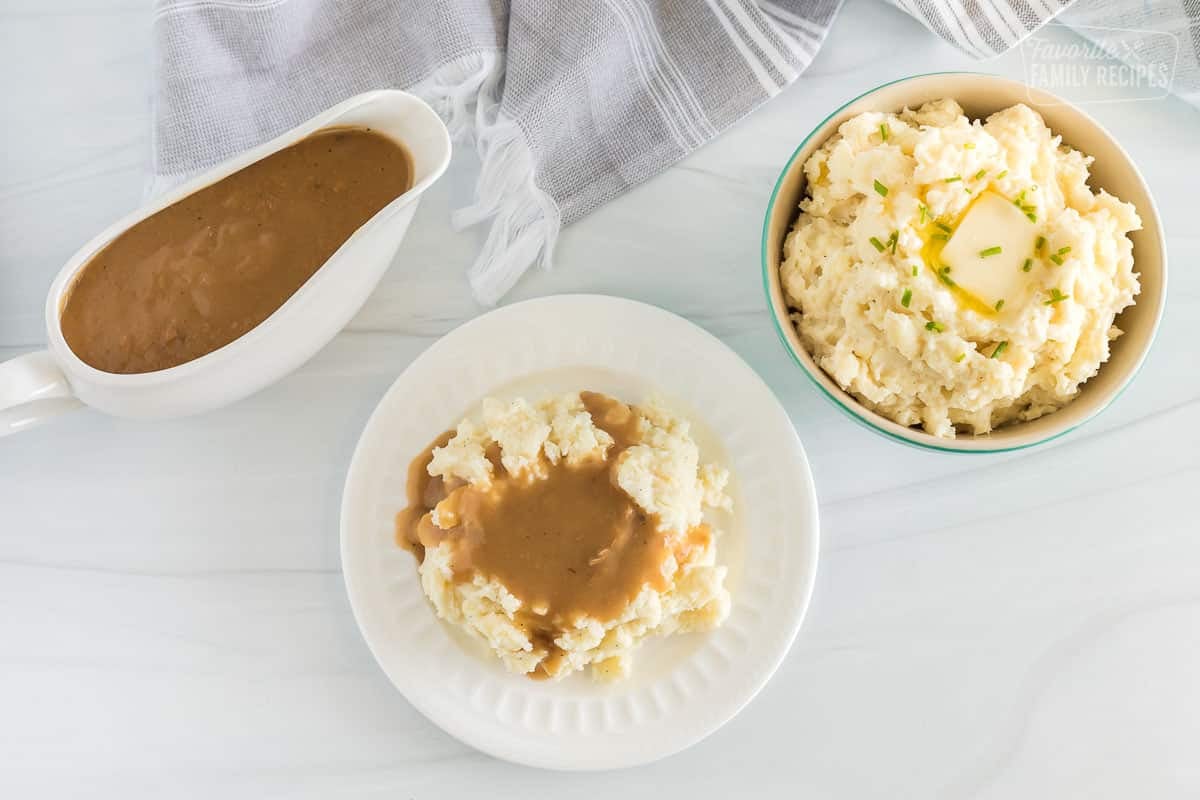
921 440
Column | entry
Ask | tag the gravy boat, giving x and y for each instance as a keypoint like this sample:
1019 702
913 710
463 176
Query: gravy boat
37 386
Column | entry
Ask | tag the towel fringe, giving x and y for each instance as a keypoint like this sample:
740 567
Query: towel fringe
453 90
524 219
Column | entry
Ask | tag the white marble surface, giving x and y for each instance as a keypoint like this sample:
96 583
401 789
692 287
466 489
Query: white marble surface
172 618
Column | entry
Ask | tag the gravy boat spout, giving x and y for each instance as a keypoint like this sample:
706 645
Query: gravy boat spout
39 385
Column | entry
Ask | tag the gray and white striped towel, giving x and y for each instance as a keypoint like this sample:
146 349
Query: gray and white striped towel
983 29
570 102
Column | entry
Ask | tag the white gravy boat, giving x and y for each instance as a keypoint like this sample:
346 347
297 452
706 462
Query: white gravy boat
37 386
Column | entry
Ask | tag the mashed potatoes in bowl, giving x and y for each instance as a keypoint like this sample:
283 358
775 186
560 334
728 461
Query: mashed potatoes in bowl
959 280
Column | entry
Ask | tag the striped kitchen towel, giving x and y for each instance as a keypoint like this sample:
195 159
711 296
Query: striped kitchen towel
984 28
569 102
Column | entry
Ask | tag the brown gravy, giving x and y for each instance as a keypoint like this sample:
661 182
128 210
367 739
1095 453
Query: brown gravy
571 543
202 272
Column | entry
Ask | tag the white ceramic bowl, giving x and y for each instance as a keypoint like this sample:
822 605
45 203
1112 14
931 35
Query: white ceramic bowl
682 687
38 385
981 95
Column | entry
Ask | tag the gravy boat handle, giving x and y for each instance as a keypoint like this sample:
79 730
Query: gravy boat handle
32 390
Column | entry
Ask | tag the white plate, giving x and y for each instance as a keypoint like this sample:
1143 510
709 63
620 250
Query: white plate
683 687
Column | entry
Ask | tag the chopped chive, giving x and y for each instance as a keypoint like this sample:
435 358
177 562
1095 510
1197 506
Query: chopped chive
1056 297
1019 200
941 237
967 190
999 349
1062 251
1056 258
1028 265
893 240
936 327
1032 217
944 227
914 270
961 356
907 298
878 245
1001 175
953 178
924 213
990 251
881 189
1039 244
944 276
883 131
999 304
980 174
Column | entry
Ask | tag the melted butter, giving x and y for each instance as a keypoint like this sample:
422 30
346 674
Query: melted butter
564 539
931 254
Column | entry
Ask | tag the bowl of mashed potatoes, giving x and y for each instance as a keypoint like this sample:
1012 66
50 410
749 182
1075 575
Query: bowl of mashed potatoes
964 263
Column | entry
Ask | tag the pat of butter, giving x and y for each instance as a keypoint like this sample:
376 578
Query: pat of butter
975 263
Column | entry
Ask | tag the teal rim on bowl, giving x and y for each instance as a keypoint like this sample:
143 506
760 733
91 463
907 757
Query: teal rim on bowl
980 95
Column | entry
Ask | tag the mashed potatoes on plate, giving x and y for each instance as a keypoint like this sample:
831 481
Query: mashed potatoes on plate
563 532
953 274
